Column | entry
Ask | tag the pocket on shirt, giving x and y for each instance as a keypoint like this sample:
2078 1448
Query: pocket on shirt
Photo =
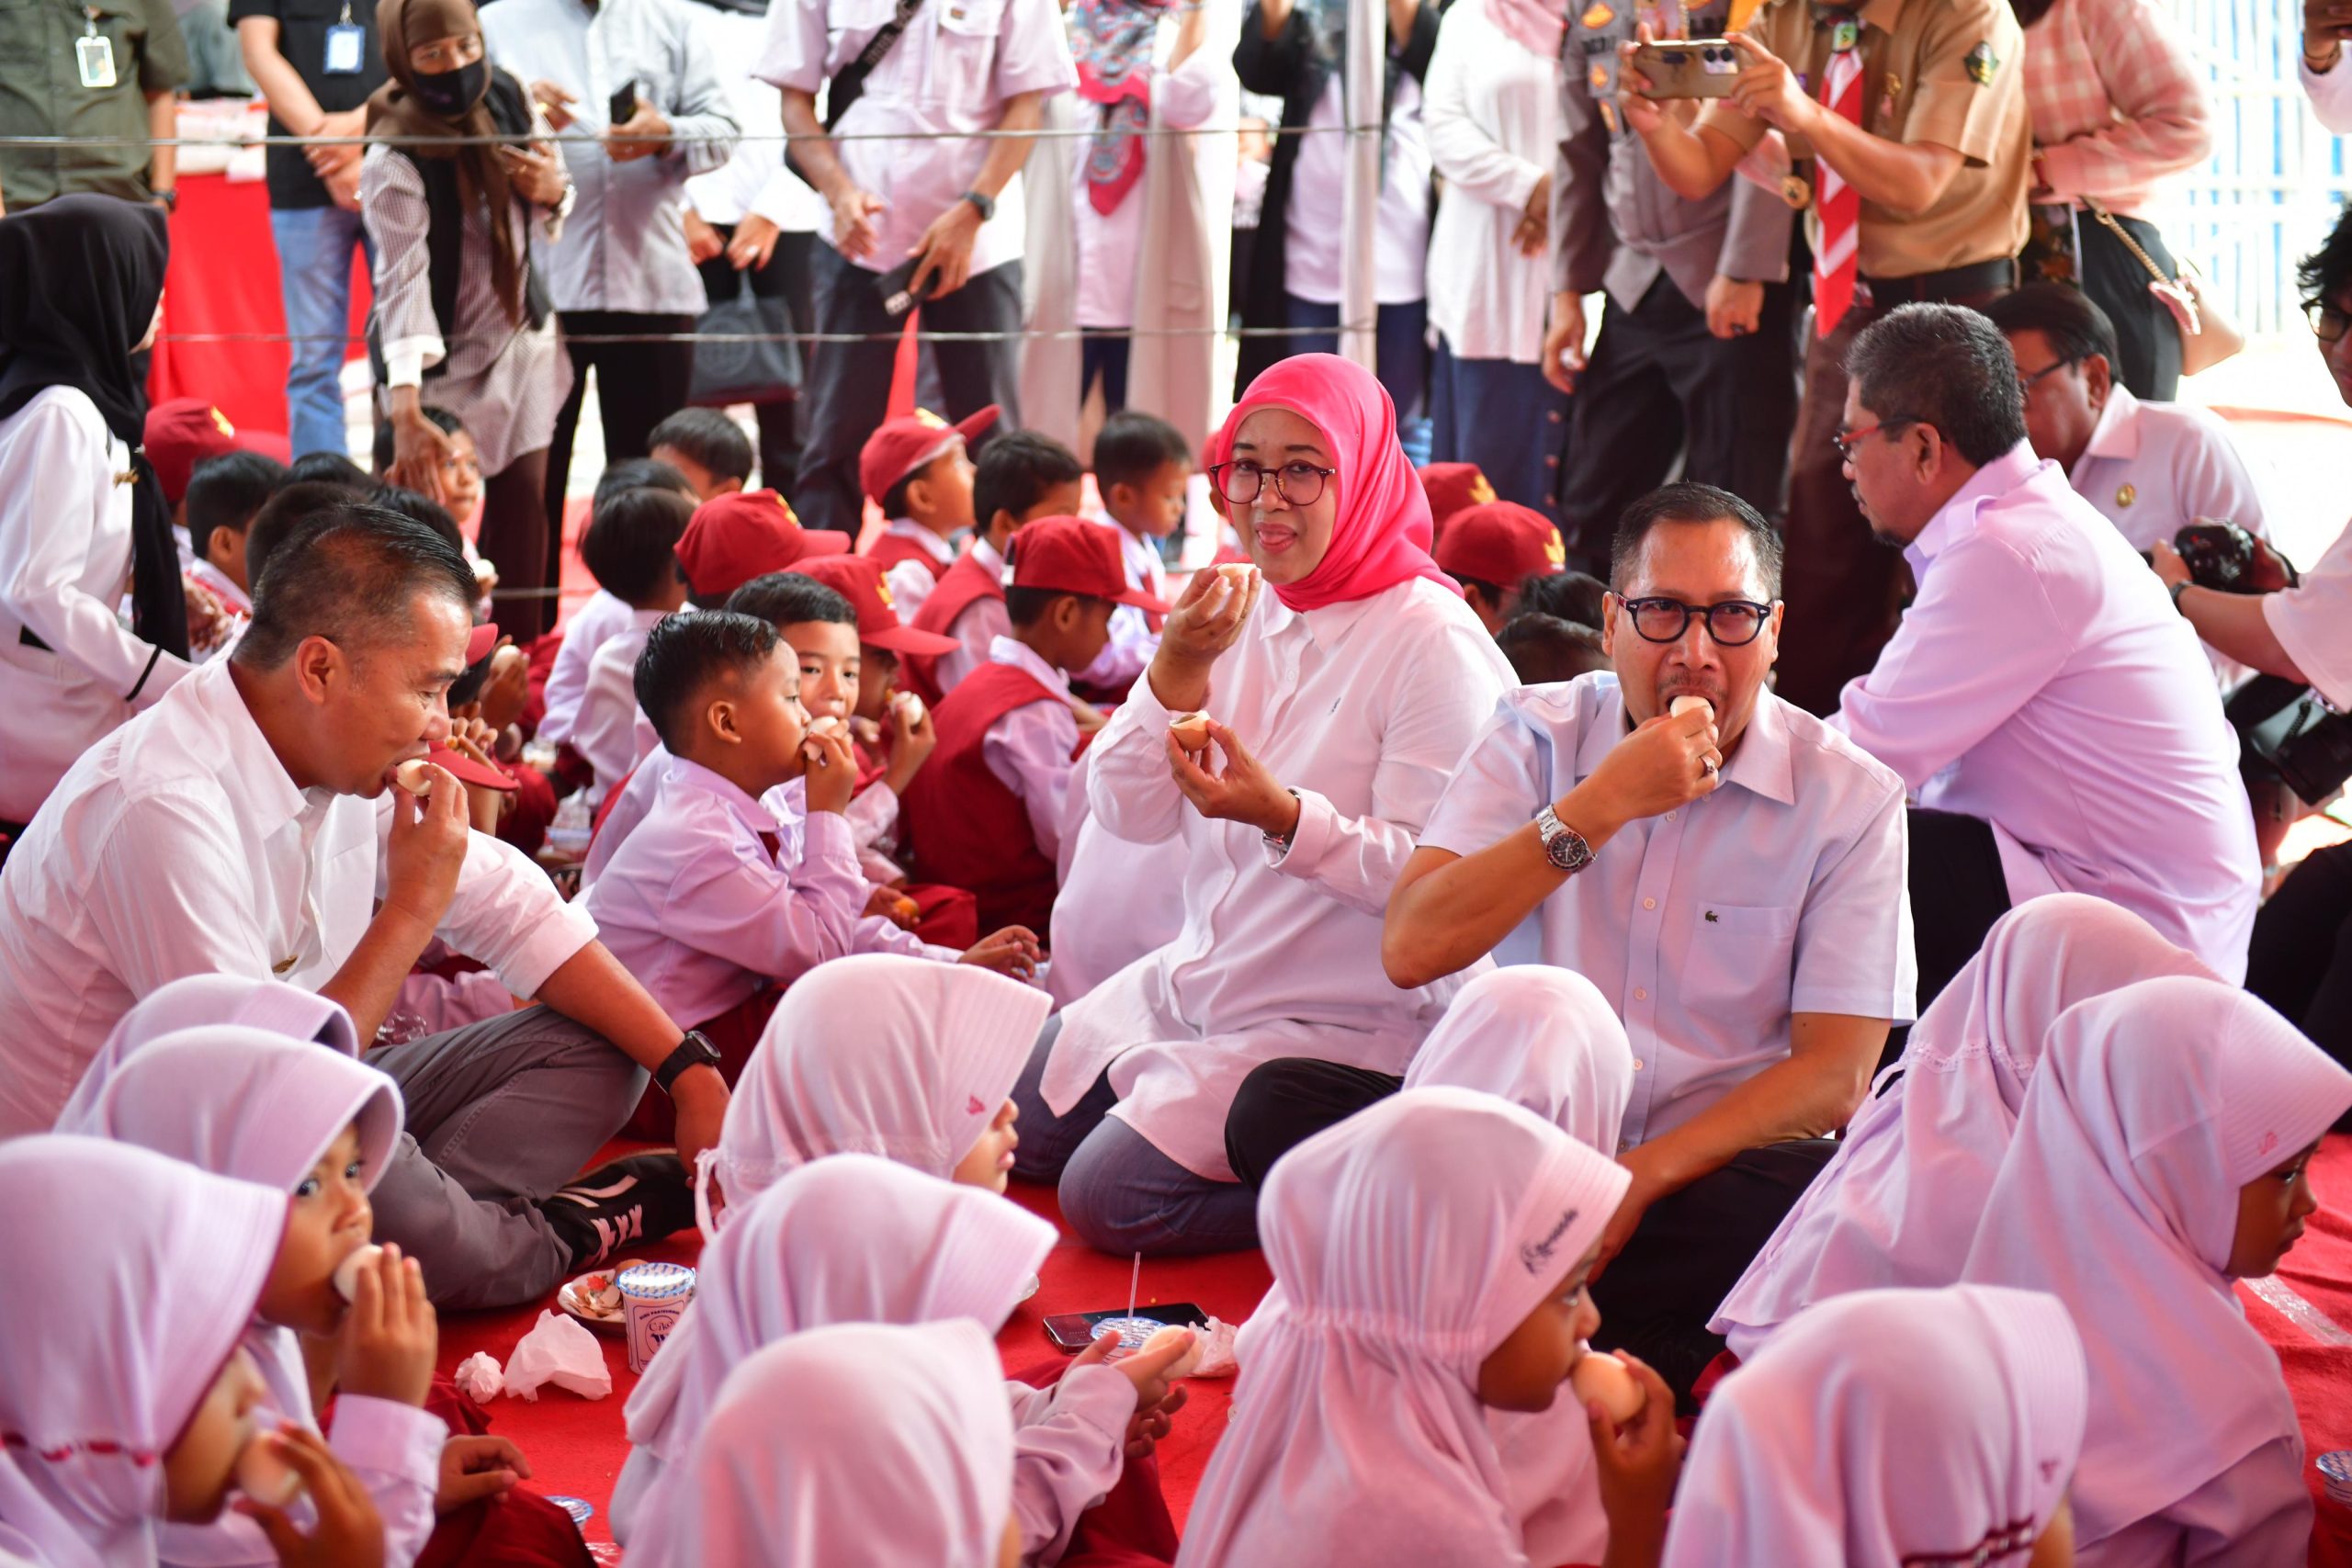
1741 961
964 61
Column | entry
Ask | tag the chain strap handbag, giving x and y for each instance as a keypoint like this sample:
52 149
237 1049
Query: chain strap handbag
2207 336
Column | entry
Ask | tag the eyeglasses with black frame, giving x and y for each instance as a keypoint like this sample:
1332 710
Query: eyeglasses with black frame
1243 481
1846 440
2327 322
2026 384
1734 622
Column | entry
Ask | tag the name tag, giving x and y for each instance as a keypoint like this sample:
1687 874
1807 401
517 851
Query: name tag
95 56
347 48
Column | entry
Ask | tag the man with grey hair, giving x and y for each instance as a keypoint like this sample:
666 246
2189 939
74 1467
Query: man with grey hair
2051 715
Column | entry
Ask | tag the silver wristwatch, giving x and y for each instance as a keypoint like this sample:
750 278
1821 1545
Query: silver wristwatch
1563 845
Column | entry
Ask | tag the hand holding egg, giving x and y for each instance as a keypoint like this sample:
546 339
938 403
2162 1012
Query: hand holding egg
1600 1377
1192 732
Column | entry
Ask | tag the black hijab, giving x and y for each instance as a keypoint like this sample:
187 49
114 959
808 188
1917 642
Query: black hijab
80 279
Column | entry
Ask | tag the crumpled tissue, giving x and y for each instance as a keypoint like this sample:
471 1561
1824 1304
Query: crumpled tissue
1215 1352
479 1378
561 1352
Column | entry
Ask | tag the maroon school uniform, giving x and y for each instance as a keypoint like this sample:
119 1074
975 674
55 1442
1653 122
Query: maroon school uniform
966 584
893 550
966 828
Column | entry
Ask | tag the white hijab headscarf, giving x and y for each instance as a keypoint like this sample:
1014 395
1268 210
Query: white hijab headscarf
136 1275
197 1001
1888 1427
2154 1104
850 1238
1548 1040
876 1053
1899 1203
856 1446
1408 1242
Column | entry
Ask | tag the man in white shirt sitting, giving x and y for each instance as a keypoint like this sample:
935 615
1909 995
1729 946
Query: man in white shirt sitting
2150 468
2055 720
1731 877
250 825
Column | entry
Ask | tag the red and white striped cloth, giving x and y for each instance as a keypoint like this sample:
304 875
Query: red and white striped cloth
1835 254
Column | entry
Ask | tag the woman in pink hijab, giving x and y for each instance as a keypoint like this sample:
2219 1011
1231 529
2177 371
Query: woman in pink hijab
1343 677
2160 1157
1899 1203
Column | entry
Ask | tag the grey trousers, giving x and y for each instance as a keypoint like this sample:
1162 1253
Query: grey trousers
500 1113
1119 1193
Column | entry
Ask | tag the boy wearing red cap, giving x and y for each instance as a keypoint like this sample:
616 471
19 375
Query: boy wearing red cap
984 812
737 537
182 433
919 471
1020 476
1490 550
1452 489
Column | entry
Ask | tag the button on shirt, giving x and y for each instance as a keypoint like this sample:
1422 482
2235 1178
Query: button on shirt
2313 623
624 247
1707 926
179 845
2152 468
947 77
2041 682
1029 749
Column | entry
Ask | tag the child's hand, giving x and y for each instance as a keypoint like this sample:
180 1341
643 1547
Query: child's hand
1090 717
1638 1463
507 692
912 740
831 772
473 1468
1013 951
349 1533
391 1334
1157 1398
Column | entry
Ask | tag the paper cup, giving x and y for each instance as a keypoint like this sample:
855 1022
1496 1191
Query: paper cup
654 1296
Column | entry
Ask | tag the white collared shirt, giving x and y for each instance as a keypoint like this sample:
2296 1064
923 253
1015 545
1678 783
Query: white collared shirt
2153 469
2331 96
607 733
754 182
1365 708
695 907
947 77
597 621
911 582
1706 926
979 626
179 845
1029 749
2041 682
1401 244
2313 621
1133 642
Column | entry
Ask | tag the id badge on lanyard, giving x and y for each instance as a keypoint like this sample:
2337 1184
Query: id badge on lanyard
346 46
93 53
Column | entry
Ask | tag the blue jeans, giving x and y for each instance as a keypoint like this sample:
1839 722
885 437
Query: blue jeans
1400 347
314 246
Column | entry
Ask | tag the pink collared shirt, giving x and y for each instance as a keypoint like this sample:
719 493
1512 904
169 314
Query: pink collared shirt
1029 749
2152 468
2041 682
1706 926
610 734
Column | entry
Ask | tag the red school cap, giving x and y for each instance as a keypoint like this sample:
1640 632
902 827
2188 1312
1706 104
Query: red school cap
183 432
902 446
1501 543
1452 488
859 579
733 539
1070 554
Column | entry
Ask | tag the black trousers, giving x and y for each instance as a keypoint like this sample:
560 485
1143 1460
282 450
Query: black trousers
785 277
847 385
2300 961
1958 890
639 385
1659 384
2105 268
1657 1295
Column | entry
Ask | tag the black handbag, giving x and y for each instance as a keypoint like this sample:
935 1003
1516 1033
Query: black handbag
746 353
2285 733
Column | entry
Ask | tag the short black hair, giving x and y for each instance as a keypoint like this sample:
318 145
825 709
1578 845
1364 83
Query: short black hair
294 501
894 500
787 599
1576 597
1027 606
1133 446
1689 503
637 473
1945 367
2322 275
711 438
418 507
1016 470
2071 320
1491 593
439 418
631 546
684 653
350 572
226 492
332 468
1544 649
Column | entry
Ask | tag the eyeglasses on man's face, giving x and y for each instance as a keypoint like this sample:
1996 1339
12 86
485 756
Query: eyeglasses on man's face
1734 622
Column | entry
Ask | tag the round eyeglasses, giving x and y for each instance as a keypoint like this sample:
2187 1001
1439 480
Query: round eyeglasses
1735 623
1243 481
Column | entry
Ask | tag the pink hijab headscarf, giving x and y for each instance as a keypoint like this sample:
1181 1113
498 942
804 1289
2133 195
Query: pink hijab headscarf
858 1446
1381 536
1407 1242
136 1275
849 1239
1889 1427
876 1053
198 999
2119 1195
1899 1203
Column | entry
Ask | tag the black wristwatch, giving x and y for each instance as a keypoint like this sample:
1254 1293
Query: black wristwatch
2177 589
984 206
169 201
693 1051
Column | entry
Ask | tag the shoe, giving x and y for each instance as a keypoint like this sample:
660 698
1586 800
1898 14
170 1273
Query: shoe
640 1198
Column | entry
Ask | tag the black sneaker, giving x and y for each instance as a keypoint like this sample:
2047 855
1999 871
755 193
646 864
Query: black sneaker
640 1198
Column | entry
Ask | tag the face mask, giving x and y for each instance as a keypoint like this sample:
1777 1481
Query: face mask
452 92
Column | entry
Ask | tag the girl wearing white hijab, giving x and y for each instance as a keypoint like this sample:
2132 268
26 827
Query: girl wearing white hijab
272 1006
1900 1201
1431 1254
878 1054
124 1393
317 1125
1548 1041
2160 1155
1889 1429
857 1446
855 1239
